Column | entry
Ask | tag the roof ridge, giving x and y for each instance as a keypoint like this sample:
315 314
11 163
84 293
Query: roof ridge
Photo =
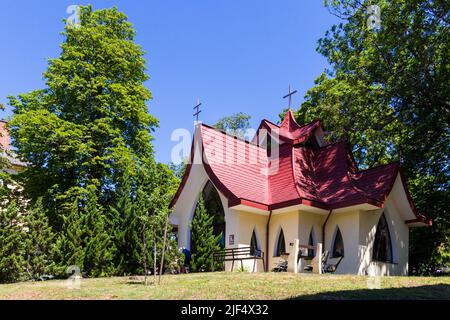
270 122
307 124
230 135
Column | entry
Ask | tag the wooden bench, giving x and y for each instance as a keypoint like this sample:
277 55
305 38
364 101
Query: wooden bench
236 254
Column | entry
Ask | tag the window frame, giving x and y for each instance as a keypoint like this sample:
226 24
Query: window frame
333 247
311 242
387 233
278 252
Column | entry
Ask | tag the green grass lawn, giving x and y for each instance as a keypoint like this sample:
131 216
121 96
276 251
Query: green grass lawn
238 286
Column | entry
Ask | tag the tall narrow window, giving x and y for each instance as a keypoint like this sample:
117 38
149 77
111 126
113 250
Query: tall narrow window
269 145
338 245
281 245
254 251
382 246
311 252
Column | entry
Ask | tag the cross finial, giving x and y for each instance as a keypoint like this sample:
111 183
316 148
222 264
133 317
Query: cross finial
197 109
289 95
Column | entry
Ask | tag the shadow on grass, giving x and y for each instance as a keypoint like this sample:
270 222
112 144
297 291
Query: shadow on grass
427 292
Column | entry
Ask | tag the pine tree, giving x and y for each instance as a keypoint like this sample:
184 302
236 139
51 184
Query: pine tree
39 244
99 248
123 229
203 241
70 243
12 244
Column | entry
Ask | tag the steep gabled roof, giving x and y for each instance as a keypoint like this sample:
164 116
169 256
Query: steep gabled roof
323 177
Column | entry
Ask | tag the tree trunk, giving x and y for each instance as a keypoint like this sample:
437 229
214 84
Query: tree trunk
163 250
144 241
154 253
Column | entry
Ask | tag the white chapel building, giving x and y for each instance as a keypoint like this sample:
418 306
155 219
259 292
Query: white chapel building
289 187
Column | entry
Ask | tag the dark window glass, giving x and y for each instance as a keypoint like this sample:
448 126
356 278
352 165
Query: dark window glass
311 252
338 246
382 247
254 245
281 245
269 145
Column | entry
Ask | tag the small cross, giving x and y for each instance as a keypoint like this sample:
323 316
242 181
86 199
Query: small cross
197 108
290 93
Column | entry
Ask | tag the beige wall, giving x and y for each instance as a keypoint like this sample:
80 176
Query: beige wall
399 232
348 223
241 225
290 222
309 221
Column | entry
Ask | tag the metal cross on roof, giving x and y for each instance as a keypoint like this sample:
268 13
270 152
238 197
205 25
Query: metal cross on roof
197 108
289 95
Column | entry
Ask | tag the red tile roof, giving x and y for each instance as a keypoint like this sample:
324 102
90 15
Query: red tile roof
324 177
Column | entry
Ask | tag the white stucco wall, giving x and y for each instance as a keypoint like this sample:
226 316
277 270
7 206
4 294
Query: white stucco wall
357 227
289 221
399 233
348 223
239 224
247 223
309 221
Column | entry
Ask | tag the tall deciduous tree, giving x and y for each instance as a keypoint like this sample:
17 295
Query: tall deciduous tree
83 135
235 124
90 125
387 93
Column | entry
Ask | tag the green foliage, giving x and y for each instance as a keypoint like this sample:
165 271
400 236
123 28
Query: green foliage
70 242
99 247
124 229
203 241
90 124
174 258
39 242
12 244
87 139
387 93
86 241
235 124
140 210
178 169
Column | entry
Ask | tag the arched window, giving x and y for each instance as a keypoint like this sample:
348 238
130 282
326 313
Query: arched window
338 245
254 245
213 205
311 252
382 246
281 244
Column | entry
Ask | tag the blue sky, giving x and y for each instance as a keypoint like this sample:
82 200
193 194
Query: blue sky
236 55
